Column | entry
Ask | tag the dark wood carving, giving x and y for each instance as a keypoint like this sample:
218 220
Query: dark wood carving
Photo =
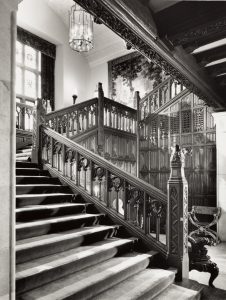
187 122
99 10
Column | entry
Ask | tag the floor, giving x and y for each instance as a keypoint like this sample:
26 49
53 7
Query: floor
218 255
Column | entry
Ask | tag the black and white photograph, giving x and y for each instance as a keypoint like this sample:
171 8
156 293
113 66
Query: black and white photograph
112 150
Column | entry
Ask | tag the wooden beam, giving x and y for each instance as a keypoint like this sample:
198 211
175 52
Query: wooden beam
119 17
210 55
216 69
192 23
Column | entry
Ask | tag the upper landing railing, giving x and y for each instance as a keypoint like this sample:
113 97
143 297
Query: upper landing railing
160 97
93 114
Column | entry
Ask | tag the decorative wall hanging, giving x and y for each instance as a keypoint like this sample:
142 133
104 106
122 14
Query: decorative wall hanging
131 73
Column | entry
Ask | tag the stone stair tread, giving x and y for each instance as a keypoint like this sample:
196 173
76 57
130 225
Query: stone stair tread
28 176
51 220
89 282
39 265
177 292
42 195
60 236
49 206
18 168
145 284
39 184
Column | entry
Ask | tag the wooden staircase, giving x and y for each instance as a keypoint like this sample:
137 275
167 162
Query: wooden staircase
67 249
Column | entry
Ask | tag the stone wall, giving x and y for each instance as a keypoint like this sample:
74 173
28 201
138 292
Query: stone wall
7 146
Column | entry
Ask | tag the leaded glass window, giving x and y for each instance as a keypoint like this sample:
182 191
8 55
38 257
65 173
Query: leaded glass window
28 73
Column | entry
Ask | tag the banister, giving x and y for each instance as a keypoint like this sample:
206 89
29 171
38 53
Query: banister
24 105
120 105
156 193
155 89
71 108
159 97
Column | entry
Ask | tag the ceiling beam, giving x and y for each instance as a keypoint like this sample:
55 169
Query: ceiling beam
192 23
217 69
208 56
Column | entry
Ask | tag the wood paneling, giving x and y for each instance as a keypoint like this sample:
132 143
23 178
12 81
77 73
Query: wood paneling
189 123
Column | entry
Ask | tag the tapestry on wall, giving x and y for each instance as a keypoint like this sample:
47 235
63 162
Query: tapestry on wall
131 73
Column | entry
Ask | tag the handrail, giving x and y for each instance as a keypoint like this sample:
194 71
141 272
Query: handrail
71 108
158 98
120 105
156 193
131 199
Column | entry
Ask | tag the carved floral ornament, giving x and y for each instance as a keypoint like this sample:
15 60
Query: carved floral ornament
178 154
99 11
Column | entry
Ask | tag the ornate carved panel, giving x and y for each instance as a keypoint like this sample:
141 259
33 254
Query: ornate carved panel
189 123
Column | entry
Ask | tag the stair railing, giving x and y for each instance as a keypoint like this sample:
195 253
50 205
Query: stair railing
96 124
159 97
24 116
159 220
75 119
127 197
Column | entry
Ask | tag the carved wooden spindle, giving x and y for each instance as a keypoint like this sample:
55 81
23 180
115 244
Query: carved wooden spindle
177 214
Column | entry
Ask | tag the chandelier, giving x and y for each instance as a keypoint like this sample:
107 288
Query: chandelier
81 29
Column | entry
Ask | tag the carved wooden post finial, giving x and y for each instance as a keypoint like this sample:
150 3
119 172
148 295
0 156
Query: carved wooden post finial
38 119
177 214
100 140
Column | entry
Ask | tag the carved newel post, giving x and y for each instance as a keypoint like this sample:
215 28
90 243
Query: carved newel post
38 119
177 215
100 137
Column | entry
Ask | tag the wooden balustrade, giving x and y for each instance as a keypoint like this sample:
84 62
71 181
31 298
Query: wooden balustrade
133 200
119 116
160 222
159 97
74 120
103 125
24 116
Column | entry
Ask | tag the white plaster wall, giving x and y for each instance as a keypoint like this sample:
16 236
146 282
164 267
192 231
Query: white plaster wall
7 147
98 73
72 72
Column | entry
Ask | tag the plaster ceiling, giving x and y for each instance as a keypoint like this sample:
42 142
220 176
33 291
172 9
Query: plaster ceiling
107 45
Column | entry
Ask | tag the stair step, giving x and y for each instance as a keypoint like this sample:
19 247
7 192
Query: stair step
36 199
44 245
177 292
34 212
144 285
23 159
21 179
56 224
26 165
40 271
31 171
25 150
23 154
93 280
41 189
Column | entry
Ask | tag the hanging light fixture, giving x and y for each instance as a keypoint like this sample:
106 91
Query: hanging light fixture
81 29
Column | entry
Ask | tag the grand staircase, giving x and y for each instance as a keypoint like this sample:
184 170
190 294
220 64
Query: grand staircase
67 249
